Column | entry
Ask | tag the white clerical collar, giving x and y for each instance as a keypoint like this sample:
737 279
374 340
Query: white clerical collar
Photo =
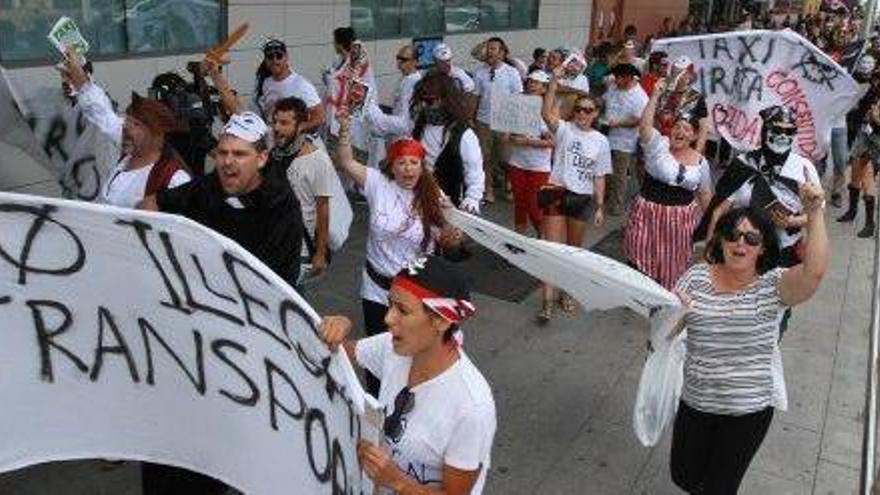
234 202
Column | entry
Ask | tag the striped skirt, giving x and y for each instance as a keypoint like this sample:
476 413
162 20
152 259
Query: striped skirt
657 239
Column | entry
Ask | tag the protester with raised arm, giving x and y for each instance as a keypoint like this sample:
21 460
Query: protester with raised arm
577 181
406 220
676 187
148 163
733 378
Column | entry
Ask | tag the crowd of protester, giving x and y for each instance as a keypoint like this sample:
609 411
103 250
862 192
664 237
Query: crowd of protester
623 128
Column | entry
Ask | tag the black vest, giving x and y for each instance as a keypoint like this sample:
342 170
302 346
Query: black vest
449 167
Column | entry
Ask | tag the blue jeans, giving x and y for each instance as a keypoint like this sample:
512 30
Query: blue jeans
839 150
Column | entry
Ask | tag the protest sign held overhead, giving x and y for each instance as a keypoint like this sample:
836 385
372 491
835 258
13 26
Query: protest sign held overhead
740 73
516 113
146 336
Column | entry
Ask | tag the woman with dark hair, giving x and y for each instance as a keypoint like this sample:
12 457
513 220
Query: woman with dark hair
676 187
733 380
441 114
438 117
577 180
440 415
406 219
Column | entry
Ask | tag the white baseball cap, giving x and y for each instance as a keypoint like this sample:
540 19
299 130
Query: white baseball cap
247 126
539 76
443 52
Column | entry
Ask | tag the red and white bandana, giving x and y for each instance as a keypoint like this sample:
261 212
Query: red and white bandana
450 309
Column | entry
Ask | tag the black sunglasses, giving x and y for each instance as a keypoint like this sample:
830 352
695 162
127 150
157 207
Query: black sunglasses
275 55
585 109
395 424
752 238
788 131
403 59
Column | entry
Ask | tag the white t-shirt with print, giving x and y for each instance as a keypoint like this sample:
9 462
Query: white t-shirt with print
126 187
624 105
580 157
292 85
395 231
531 158
503 80
452 421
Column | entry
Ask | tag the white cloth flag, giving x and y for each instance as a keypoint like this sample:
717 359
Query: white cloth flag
80 157
597 282
741 73
136 335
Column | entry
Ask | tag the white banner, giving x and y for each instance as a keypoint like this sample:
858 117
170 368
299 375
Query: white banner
80 157
145 336
597 282
516 114
741 73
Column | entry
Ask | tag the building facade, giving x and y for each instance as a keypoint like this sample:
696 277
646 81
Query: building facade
134 40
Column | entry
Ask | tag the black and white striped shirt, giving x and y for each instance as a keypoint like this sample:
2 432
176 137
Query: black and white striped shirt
733 365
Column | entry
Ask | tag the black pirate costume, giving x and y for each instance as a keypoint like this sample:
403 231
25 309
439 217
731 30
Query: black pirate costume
767 178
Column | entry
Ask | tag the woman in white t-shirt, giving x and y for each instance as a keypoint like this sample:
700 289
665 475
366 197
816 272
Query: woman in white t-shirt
530 158
440 414
406 219
582 160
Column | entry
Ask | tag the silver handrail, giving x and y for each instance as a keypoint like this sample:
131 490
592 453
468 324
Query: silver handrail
869 438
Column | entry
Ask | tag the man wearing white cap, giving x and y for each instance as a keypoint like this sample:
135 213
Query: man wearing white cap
443 61
243 199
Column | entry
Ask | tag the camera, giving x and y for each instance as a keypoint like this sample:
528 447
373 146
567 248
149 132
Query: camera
195 104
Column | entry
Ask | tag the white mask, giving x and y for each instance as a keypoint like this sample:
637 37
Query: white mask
778 142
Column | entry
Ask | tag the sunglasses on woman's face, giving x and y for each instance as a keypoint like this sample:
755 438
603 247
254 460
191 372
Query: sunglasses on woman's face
401 58
395 425
586 110
275 55
751 237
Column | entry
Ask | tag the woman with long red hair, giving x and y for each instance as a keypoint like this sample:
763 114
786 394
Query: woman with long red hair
406 220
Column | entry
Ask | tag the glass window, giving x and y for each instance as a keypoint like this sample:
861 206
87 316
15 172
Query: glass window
462 16
524 14
373 19
112 27
421 17
494 15
172 25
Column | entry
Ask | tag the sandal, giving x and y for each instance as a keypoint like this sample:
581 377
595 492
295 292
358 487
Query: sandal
567 304
545 314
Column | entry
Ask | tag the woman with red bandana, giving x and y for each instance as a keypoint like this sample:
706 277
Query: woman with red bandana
440 414
406 219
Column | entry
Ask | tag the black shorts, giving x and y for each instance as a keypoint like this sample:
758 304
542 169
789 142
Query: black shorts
558 201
